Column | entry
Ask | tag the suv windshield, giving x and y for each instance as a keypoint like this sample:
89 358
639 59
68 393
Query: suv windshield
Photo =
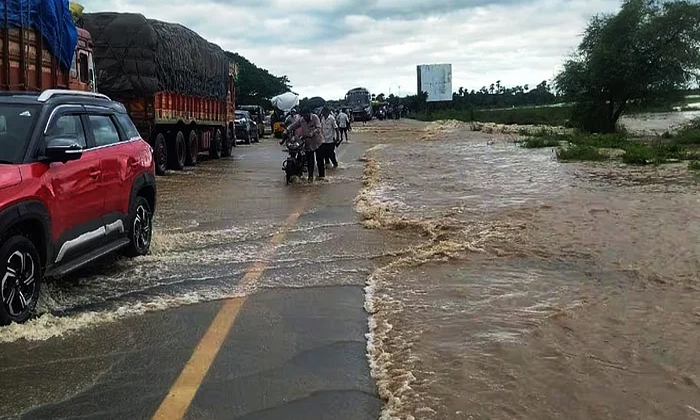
16 123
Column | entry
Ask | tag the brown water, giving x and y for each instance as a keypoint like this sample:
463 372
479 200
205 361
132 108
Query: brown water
529 288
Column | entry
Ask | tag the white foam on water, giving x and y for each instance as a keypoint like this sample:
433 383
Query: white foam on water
49 326
376 147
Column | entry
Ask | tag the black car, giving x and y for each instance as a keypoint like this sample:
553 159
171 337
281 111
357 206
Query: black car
258 114
246 127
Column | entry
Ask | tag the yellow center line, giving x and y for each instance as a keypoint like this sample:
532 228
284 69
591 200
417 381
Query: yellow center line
181 394
178 400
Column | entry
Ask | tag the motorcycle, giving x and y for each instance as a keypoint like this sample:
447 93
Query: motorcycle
295 164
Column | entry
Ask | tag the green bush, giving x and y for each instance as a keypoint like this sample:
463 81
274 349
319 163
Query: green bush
638 154
694 165
539 142
582 153
609 141
556 116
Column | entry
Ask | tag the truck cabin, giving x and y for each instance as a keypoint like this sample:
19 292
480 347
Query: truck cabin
82 72
26 64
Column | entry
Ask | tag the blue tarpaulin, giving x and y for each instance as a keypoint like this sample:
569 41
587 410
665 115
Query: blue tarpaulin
52 18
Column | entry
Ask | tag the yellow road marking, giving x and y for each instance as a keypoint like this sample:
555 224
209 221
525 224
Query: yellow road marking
181 394
178 400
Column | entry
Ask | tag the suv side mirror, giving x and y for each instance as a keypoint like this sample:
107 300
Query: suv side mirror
63 149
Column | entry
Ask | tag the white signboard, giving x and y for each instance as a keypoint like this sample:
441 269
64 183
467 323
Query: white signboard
436 79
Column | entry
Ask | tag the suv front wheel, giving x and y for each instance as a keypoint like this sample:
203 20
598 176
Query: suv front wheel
20 281
140 228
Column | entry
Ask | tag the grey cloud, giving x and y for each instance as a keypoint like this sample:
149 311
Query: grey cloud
333 45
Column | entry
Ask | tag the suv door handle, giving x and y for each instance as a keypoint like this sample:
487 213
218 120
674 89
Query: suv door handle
95 173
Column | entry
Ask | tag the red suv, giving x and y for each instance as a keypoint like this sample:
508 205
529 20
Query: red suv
77 182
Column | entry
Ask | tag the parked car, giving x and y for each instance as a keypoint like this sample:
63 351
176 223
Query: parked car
267 123
77 182
258 115
246 128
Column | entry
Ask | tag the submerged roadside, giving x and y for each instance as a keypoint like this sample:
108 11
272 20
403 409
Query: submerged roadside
531 288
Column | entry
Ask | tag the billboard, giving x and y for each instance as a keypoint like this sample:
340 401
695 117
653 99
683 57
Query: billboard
436 79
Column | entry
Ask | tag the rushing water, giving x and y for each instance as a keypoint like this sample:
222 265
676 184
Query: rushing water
212 224
532 289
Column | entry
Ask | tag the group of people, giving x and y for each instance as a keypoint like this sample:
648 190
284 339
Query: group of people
322 135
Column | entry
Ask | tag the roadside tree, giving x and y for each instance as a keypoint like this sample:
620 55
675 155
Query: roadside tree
648 51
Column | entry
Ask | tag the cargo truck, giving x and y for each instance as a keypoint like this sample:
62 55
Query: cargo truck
34 60
177 87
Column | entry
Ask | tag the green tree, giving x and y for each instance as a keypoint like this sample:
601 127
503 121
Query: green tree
649 50
256 86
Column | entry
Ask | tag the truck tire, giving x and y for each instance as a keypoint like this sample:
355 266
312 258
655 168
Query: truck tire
228 146
20 269
160 154
192 149
216 145
178 151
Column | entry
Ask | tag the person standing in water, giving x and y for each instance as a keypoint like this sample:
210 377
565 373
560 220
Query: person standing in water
328 128
309 127
343 122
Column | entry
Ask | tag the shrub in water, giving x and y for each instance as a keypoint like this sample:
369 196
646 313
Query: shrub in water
539 142
579 152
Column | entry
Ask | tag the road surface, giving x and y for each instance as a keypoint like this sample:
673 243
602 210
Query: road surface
275 330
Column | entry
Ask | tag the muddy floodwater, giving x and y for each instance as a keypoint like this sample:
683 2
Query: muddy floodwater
499 283
529 288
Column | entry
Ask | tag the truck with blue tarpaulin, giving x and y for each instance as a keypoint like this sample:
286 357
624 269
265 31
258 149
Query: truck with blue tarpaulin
41 47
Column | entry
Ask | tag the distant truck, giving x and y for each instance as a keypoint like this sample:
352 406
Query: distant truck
177 87
33 60
360 103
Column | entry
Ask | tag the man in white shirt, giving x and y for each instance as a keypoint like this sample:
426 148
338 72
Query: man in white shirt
343 124
328 127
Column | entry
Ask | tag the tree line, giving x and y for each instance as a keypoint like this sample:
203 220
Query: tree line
255 85
645 56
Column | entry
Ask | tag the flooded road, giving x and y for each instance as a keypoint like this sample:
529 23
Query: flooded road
532 289
111 341
471 278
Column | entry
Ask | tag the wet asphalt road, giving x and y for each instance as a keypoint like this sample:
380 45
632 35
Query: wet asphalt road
295 348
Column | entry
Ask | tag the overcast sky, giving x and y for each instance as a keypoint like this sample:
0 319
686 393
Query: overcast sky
327 47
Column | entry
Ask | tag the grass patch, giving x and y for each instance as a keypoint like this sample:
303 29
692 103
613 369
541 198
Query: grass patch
580 153
689 134
606 141
657 153
554 116
587 147
694 165
639 154
539 142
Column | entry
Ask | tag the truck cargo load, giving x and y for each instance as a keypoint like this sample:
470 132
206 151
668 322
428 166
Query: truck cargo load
40 48
136 56
51 18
